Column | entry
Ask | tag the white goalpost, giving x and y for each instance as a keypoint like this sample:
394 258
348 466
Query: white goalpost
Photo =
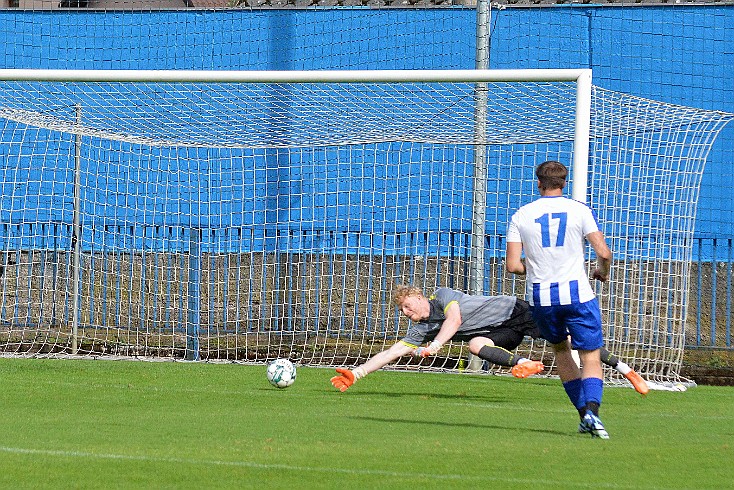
244 216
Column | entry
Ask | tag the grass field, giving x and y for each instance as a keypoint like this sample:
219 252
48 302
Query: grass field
122 424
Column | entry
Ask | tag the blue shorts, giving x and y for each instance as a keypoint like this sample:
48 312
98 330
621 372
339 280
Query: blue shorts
582 321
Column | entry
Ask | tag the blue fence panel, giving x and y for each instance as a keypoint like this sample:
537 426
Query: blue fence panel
712 306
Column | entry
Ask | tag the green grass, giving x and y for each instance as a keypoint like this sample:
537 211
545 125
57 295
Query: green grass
120 424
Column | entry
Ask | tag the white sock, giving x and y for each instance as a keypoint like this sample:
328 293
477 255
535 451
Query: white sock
623 368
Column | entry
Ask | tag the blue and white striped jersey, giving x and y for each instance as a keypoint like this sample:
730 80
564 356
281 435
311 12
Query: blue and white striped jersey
552 231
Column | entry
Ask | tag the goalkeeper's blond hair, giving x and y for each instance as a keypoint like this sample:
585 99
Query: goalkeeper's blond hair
403 292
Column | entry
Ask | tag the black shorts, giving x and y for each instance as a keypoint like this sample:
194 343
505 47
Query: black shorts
511 332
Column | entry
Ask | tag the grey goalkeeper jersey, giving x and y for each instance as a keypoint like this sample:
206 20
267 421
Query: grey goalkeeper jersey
479 314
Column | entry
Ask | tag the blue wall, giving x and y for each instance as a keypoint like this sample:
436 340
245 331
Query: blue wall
642 51
239 39
679 55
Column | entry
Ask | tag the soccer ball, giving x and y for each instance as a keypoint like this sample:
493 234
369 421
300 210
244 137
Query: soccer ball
281 373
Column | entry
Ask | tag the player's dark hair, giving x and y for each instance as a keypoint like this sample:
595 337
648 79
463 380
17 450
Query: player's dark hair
551 175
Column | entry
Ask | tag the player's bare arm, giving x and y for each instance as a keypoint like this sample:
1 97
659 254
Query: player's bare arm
385 357
450 325
346 377
513 260
603 255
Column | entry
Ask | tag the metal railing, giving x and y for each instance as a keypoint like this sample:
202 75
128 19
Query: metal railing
35 287
710 301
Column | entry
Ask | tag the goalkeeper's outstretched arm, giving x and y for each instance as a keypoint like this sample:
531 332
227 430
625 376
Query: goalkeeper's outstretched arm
346 378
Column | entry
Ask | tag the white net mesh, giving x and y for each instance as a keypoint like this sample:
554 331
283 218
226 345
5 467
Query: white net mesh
286 115
246 221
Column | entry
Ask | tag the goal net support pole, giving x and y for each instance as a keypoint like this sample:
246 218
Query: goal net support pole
76 239
476 274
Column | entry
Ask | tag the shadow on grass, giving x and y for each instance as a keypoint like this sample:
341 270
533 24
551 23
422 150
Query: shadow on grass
471 425
488 397
434 396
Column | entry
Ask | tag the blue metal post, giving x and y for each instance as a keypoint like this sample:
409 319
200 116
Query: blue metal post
193 321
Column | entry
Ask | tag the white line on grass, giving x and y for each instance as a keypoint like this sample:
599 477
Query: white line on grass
314 469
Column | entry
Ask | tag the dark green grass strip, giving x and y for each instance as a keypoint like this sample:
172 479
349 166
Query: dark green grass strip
125 424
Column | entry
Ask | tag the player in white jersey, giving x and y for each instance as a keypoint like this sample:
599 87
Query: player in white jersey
552 231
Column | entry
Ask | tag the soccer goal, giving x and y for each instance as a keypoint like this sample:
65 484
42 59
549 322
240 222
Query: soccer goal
245 216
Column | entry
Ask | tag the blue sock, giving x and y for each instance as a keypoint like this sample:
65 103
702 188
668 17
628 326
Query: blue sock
575 391
593 388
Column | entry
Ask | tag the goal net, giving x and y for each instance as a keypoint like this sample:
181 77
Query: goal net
235 216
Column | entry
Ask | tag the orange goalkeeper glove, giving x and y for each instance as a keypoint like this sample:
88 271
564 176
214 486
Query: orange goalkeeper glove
344 380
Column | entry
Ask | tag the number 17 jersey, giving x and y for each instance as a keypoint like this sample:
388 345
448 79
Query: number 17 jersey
552 231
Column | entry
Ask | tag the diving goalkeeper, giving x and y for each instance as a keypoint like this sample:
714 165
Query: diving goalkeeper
492 325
